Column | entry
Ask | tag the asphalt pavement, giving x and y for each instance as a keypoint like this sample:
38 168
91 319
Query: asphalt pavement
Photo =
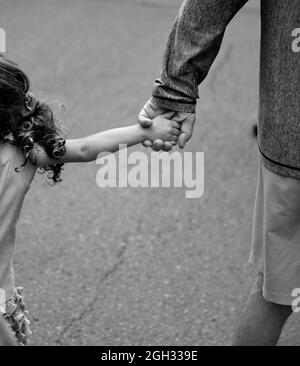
124 266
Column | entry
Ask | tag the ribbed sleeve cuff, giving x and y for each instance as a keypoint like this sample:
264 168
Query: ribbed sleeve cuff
174 105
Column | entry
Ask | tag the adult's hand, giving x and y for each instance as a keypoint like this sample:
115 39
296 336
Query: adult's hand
187 120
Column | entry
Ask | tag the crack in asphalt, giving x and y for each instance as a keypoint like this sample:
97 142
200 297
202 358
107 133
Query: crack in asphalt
91 305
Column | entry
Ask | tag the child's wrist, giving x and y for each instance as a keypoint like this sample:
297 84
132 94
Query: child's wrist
145 133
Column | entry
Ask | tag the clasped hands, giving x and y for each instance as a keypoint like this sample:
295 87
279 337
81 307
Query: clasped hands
185 120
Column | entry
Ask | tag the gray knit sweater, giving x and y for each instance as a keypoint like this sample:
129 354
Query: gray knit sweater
193 45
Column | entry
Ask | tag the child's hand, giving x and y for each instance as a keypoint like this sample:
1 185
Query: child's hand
163 129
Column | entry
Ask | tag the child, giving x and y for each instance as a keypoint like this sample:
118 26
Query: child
6 336
29 139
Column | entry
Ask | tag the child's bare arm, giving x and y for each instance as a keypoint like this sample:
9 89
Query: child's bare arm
88 148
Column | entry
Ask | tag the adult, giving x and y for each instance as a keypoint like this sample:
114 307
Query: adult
193 45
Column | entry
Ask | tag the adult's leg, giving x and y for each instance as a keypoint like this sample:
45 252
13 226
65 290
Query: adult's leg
261 321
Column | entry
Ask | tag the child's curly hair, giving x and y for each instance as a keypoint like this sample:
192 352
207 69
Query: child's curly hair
37 128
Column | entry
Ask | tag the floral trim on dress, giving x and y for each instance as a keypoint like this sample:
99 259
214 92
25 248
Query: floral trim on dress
16 316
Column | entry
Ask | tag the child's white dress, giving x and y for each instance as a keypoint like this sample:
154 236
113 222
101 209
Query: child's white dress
13 188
